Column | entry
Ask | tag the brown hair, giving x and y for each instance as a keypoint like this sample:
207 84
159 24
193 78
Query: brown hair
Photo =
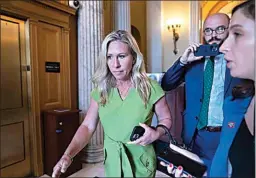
247 8
245 89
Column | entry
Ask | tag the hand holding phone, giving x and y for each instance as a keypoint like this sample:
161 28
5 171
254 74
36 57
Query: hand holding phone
175 171
207 50
137 132
188 55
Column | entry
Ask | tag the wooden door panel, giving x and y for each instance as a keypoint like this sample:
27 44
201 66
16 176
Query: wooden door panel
10 64
15 143
12 144
49 50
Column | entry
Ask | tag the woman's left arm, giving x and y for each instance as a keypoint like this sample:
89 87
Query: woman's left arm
163 114
164 118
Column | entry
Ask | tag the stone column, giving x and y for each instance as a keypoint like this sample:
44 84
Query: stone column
122 15
155 45
90 35
195 22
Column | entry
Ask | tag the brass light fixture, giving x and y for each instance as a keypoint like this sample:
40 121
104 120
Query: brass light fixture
174 27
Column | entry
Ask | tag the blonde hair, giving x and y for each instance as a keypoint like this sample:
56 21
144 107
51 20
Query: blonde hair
103 78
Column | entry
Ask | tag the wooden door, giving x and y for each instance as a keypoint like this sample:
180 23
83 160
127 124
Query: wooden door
15 141
50 49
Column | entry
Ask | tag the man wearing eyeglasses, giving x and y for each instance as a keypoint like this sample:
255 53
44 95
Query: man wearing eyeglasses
207 84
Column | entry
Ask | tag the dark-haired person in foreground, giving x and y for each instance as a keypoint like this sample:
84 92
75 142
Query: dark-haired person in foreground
239 52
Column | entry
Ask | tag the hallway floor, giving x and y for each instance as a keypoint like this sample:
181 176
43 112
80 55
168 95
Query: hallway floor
92 170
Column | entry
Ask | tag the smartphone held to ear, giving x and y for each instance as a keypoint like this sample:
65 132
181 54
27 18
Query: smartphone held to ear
137 132
207 50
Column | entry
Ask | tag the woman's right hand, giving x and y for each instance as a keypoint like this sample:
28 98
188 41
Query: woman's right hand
61 166
176 172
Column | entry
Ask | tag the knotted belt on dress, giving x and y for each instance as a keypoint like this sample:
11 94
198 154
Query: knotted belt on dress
119 147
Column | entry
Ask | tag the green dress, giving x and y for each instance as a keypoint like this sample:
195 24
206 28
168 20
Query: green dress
118 118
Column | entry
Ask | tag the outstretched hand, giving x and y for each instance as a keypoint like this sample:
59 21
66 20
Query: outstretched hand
61 166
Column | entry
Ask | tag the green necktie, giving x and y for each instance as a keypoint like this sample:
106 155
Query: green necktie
208 79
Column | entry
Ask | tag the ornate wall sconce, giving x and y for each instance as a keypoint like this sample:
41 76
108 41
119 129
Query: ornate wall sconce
174 27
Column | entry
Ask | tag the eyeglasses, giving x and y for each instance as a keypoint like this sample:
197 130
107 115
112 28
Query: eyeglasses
218 30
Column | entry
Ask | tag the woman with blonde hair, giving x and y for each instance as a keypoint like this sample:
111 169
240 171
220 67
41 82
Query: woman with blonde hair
124 97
